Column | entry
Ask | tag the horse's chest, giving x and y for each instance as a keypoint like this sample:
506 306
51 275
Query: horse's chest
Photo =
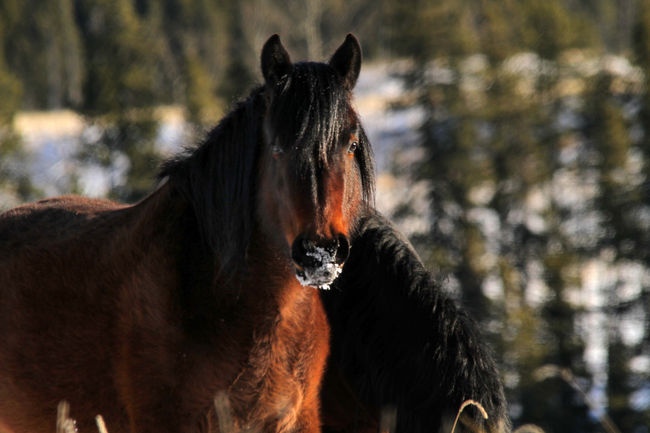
282 375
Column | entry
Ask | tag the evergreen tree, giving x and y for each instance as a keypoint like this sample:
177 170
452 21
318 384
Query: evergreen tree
238 77
500 29
606 131
641 45
621 197
488 153
620 385
119 55
550 28
119 94
15 185
194 43
424 30
44 51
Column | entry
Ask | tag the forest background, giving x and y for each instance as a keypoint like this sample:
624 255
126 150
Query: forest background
532 150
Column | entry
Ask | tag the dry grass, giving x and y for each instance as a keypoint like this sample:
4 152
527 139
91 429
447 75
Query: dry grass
462 408
224 412
101 425
64 424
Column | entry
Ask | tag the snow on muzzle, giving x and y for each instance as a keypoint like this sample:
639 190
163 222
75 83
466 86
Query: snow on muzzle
319 262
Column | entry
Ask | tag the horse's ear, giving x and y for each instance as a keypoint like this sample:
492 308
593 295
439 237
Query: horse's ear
346 61
276 62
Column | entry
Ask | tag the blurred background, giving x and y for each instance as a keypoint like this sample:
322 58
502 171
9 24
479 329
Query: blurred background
512 140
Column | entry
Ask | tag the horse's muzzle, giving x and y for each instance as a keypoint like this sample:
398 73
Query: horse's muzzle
318 262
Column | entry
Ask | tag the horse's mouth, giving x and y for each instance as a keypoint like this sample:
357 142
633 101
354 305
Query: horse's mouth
320 277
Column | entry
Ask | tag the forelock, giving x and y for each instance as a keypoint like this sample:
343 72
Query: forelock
309 110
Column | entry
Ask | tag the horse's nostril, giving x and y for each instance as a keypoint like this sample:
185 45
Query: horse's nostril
305 253
308 253
343 250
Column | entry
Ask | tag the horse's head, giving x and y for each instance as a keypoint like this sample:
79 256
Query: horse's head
317 172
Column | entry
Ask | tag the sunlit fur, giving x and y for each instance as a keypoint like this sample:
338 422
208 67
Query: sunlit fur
399 343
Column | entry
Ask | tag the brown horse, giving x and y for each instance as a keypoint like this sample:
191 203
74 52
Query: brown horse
144 313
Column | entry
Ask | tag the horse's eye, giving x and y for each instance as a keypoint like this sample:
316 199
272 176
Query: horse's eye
353 147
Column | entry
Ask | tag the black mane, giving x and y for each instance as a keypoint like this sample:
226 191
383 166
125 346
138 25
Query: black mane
308 110
218 179
400 342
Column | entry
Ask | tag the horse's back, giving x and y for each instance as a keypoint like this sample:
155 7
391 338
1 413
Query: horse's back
49 221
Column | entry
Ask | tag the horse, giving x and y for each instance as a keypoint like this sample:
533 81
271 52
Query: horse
403 356
145 313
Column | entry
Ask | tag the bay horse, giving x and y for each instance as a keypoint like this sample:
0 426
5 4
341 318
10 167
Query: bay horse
400 346
144 313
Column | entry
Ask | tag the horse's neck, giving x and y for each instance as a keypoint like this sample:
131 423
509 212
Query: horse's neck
156 214
268 265
266 281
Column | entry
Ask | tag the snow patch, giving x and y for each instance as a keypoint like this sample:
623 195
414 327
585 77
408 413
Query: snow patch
320 276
